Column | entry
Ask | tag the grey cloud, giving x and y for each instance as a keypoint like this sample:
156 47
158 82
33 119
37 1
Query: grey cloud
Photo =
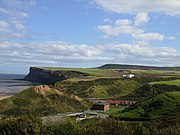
145 54
47 51
60 54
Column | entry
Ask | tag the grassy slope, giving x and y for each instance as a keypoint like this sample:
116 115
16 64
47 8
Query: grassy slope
167 104
172 82
99 88
29 101
151 90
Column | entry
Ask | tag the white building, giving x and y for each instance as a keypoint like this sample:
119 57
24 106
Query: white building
130 76
124 75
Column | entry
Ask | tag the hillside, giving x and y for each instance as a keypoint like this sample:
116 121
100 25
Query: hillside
98 87
166 104
41 99
139 67
151 90
171 82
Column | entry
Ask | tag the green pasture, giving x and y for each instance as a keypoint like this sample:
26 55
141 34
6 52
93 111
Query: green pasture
91 71
171 82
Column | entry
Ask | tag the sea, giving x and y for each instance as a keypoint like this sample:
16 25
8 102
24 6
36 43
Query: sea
11 84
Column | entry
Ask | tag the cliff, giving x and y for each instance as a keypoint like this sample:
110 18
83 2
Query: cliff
51 76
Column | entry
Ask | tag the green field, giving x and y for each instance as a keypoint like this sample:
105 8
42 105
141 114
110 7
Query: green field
171 82
160 73
91 71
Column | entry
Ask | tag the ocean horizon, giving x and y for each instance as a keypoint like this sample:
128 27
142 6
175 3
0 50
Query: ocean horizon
11 76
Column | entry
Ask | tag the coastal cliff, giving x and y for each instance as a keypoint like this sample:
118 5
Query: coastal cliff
45 76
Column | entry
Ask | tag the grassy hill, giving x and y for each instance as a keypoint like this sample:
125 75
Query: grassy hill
99 87
123 66
41 99
166 104
171 82
150 90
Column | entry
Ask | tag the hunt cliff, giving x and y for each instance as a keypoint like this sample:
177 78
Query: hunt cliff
45 76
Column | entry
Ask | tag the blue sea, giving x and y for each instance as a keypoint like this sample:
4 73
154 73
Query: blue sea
11 84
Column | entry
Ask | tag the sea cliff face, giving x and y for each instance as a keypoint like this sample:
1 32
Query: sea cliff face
51 76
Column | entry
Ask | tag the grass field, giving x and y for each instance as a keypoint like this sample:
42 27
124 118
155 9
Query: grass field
161 73
91 71
172 82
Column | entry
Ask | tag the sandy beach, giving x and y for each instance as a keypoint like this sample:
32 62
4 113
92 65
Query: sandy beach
5 96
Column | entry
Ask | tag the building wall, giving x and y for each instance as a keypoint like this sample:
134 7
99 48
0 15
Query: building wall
100 107
106 107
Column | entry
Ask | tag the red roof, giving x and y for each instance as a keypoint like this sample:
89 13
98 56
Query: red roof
120 102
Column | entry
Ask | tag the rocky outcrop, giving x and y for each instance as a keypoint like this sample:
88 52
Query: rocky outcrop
44 76
45 90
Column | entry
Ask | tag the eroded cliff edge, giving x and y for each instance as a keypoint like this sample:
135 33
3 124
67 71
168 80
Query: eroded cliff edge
45 76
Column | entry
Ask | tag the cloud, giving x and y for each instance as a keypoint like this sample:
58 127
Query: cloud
169 7
121 22
145 38
4 11
146 55
53 53
4 26
171 38
12 23
32 3
125 26
18 4
141 18
14 13
18 25
107 20
121 26
117 30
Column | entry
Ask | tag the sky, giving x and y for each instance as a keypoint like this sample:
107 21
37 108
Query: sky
88 33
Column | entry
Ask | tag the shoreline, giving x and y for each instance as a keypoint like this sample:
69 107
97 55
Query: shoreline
5 96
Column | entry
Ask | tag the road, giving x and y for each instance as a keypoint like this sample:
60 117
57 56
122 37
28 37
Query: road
61 116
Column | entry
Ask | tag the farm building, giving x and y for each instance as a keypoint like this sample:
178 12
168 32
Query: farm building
130 76
123 70
100 106
121 102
